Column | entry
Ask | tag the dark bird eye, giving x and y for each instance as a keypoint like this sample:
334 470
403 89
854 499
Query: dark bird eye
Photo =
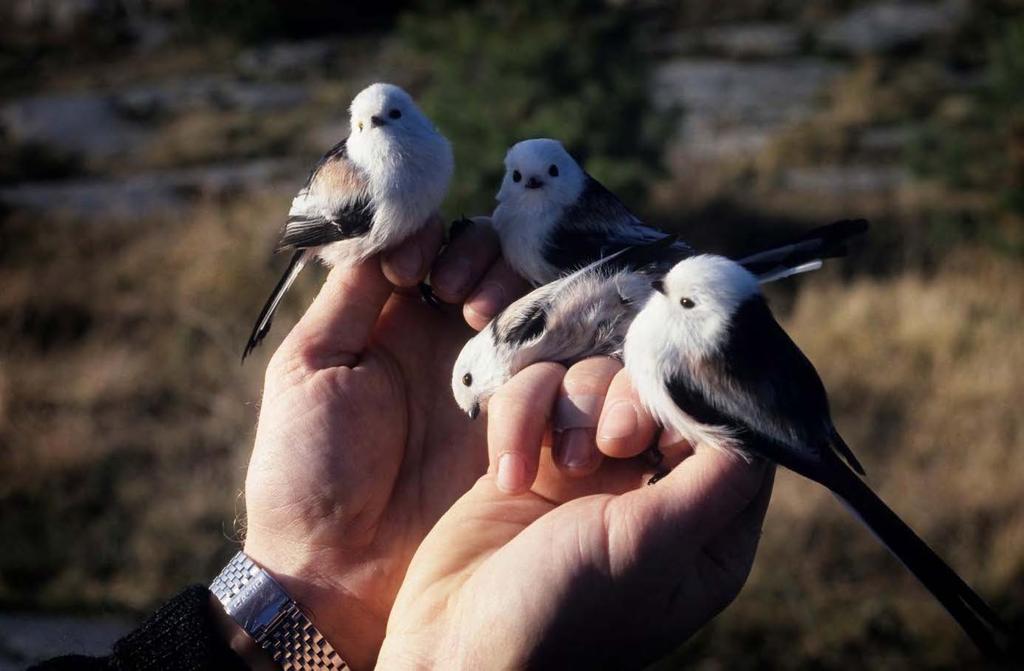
395 114
517 176
553 170
467 380
686 302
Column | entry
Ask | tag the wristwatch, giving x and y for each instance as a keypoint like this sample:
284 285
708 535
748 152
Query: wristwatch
264 610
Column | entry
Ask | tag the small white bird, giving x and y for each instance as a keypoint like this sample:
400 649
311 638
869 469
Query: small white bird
708 359
553 217
582 314
367 194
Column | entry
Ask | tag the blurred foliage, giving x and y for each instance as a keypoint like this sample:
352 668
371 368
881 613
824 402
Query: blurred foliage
502 72
974 144
258 20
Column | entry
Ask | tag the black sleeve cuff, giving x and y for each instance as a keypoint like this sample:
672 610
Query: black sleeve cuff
181 636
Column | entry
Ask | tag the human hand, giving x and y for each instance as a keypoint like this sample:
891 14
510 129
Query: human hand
360 447
581 565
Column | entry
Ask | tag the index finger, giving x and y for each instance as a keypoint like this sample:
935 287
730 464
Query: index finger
338 324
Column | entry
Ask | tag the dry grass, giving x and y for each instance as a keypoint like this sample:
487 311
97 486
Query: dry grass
126 418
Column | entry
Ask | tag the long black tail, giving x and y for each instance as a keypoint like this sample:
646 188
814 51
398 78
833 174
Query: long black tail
262 327
806 252
970 611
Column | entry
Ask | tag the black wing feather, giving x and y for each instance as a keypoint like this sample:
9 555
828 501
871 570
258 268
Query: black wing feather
313 229
531 326
352 221
599 224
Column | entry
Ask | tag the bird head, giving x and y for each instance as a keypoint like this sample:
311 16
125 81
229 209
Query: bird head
697 299
541 172
384 112
478 372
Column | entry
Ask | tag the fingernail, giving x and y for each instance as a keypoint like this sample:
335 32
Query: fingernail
575 448
619 422
511 473
488 300
579 411
458 227
455 277
407 262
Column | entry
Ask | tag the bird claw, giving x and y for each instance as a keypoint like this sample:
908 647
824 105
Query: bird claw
656 459
428 296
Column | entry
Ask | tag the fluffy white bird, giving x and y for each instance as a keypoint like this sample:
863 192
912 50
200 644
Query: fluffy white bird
553 217
367 194
582 314
708 359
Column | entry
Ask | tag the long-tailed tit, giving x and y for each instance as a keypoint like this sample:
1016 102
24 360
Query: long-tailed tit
367 194
582 314
553 217
708 359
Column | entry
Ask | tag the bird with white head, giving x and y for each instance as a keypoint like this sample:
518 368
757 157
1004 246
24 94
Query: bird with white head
708 360
371 191
580 315
553 217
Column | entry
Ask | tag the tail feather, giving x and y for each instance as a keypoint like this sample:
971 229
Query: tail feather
262 327
783 273
970 611
824 242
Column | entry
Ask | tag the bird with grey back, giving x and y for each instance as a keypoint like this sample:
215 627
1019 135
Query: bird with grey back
553 218
367 194
582 314
708 359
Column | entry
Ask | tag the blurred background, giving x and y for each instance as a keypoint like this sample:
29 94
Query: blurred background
149 150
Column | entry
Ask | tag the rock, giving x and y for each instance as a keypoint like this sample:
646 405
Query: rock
149 194
829 181
29 638
213 93
287 59
98 126
730 108
70 124
744 40
887 139
886 26
754 40
57 18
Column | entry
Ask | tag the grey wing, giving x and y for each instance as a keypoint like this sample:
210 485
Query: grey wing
333 205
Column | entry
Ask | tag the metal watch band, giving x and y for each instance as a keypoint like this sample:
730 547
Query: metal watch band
265 611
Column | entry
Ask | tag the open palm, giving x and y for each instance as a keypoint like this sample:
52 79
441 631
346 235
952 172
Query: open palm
360 449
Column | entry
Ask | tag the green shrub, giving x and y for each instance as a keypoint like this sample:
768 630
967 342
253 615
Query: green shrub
975 144
501 72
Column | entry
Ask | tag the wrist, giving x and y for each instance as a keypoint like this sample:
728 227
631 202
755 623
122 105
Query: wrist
347 624
238 640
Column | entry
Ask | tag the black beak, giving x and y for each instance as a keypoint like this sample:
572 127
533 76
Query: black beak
474 411
376 121
658 286
534 183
